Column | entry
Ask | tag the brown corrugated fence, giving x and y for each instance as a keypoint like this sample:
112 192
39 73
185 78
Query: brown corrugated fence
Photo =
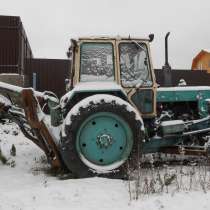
14 45
192 78
50 74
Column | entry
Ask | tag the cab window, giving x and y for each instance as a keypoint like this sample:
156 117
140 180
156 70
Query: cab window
134 64
96 62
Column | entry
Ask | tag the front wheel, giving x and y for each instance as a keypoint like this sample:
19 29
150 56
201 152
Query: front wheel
100 135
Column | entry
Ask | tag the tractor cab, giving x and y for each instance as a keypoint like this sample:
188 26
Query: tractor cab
123 61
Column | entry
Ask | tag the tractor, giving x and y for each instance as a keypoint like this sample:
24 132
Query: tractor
112 113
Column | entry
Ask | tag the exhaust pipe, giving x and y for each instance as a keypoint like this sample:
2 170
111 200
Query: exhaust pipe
167 74
166 49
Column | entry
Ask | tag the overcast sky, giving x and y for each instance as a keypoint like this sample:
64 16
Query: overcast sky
50 24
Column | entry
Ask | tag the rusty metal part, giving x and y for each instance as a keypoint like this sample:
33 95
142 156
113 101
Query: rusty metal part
185 150
31 107
2 107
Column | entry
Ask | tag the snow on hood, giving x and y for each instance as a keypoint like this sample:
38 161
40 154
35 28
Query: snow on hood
89 86
184 88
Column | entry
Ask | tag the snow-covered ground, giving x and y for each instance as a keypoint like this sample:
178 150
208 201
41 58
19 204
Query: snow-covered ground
25 185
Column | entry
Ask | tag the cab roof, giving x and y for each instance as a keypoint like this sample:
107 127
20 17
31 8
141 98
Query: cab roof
117 38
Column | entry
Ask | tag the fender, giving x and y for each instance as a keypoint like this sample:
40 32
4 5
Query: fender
85 89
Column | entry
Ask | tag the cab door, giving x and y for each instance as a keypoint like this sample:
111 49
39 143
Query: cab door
137 75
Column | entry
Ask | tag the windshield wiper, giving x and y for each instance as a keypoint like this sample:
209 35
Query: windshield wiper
137 44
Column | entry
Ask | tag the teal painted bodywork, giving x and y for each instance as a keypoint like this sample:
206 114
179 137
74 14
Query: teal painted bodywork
172 95
156 143
186 94
143 99
104 138
93 141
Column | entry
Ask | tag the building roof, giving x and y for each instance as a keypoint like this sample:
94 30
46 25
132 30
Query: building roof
198 56
9 21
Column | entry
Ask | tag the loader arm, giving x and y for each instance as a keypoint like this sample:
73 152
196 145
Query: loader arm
25 110
13 93
35 119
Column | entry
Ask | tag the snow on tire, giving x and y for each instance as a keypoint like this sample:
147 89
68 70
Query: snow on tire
102 134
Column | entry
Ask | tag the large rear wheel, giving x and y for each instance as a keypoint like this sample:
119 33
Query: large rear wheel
100 135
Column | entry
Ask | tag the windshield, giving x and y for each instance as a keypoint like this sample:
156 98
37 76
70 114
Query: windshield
134 64
97 62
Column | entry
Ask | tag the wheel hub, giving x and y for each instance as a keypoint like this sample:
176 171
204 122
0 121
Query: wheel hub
104 141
